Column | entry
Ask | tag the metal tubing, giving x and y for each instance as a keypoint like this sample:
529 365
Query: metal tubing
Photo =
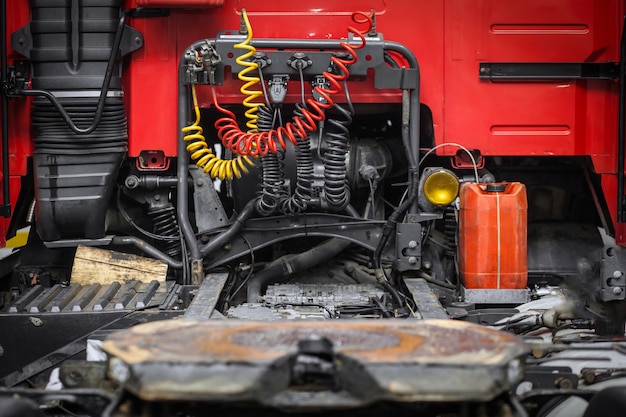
147 248
228 234
182 191
414 106
287 265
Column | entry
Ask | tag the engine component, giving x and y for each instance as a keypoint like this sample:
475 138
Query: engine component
330 296
259 312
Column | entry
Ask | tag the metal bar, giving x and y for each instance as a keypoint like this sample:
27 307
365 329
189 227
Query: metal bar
620 126
182 172
427 301
206 299
414 110
548 70
83 301
108 295
66 297
125 296
26 299
144 299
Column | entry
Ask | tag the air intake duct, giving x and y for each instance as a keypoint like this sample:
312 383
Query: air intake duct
79 121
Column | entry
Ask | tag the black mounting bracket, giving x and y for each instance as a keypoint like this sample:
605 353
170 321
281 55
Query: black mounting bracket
548 70
318 59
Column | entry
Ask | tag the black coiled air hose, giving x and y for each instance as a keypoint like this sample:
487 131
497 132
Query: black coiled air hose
272 175
336 187
302 195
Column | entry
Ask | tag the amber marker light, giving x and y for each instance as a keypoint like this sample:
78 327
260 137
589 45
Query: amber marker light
441 187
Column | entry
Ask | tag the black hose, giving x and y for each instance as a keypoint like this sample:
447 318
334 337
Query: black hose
290 264
303 191
227 235
272 177
287 265
335 184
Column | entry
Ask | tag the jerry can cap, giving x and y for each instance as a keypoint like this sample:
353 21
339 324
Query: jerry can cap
496 187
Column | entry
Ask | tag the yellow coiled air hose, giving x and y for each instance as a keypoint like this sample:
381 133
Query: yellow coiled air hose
204 156
250 81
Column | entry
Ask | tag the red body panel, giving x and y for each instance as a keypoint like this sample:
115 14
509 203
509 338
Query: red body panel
450 38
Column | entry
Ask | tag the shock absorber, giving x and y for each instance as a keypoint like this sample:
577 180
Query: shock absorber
166 227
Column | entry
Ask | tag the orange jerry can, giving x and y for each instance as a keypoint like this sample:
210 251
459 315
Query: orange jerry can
493 235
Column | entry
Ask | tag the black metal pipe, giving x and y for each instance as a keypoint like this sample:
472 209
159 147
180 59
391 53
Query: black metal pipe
414 110
5 209
290 264
182 167
147 248
229 233
621 126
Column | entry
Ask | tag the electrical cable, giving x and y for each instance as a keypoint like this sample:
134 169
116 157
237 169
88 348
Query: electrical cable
474 165
260 143
204 156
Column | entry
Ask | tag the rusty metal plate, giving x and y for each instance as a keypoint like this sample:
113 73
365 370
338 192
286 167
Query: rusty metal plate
391 360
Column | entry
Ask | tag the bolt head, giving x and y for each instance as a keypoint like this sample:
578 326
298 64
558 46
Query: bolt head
617 290
412 260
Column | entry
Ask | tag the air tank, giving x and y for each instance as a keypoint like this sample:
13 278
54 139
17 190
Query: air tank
493 236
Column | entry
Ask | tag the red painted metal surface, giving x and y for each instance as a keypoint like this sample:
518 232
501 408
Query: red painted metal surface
180 3
20 146
450 39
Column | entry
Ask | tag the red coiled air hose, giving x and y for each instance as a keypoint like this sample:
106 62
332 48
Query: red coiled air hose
260 143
